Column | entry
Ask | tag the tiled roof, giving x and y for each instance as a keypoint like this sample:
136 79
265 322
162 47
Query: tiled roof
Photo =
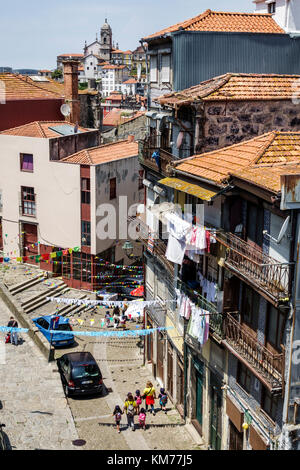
104 153
131 80
119 116
18 87
54 86
267 178
70 55
116 67
255 160
114 97
237 86
225 21
38 129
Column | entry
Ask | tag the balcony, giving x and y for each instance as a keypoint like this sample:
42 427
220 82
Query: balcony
215 318
268 367
157 248
151 145
249 263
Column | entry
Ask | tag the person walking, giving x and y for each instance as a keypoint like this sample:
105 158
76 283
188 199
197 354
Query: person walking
107 319
13 334
118 416
130 409
116 320
163 400
149 395
138 400
142 419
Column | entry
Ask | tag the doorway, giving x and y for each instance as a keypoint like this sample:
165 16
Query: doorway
235 438
31 247
170 371
215 393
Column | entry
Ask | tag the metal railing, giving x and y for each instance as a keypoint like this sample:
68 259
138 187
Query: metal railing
270 366
215 318
261 269
147 149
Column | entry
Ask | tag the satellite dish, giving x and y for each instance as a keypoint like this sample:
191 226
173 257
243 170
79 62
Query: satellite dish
281 233
65 110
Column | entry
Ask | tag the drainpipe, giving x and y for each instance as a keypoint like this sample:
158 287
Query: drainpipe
147 75
287 14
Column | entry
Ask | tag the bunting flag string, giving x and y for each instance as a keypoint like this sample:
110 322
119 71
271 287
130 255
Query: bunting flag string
117 334
108 303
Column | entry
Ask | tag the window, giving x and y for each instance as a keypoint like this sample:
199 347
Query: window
141 178
153 69
243 377
255 223
269 403
112 188
28 201
165 68
76 262
85 233
26 162
250 308
272 7
274 327
85 191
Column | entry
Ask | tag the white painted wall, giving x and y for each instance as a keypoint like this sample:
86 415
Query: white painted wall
126 173
57 192
91 66
287 13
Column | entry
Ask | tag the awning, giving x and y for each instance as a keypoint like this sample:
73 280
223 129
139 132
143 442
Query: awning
193 189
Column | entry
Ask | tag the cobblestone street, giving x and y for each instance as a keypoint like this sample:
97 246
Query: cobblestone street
38 416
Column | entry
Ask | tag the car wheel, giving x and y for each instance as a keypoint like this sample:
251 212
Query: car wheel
66 390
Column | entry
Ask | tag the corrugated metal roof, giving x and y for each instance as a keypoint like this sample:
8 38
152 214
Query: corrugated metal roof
193 189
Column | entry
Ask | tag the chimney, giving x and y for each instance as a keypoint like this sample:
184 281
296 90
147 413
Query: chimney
71 89
130 138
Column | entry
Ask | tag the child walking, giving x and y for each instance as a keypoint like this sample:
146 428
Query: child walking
138 400
118 416
142 419
163 400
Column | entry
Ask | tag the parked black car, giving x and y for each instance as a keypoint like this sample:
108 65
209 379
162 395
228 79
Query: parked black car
80 374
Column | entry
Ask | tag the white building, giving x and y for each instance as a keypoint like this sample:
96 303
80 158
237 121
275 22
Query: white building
112 78
52 184
285 12
129 87
91 70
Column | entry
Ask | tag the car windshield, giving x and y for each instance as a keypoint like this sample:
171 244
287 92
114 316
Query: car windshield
63 327
89 370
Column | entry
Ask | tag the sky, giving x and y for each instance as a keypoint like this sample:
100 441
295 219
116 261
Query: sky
34 32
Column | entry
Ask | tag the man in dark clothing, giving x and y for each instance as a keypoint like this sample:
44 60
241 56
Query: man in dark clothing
14 335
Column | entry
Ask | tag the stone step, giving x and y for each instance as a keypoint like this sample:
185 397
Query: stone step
48 291
39 303
26 284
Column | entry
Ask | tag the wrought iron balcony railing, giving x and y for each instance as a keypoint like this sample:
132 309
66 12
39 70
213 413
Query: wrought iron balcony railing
268 275
148 147
268 366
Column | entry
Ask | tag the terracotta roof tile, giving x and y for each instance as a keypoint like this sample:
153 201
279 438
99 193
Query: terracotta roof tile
235 87
119 116
40 129
260 161
225 21
19 87
104 153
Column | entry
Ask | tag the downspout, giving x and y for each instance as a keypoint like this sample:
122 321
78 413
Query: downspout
147 75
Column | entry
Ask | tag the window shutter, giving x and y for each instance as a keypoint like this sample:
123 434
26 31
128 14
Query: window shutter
165 68
153 69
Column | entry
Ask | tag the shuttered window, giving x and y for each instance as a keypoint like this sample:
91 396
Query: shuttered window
165 68
153 69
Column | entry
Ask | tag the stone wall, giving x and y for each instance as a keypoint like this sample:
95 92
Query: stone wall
90 111
232 122
136 127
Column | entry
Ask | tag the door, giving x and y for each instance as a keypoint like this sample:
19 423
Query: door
160 356
199 399
149 339
170 371
235 438
31 247
231 294
215 413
